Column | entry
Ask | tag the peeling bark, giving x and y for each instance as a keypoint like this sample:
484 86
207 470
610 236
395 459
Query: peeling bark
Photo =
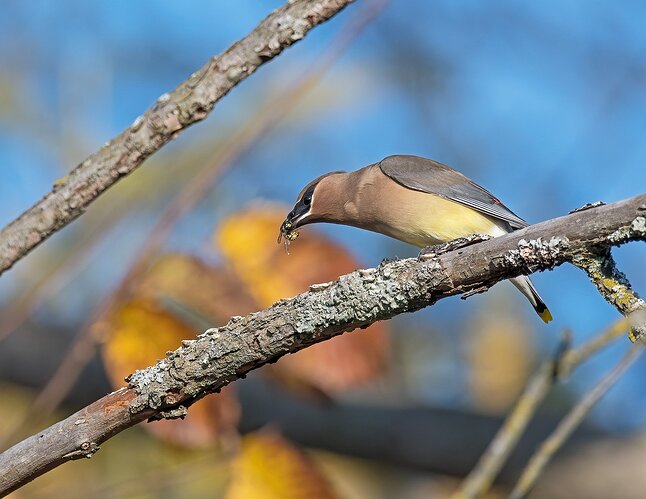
222 355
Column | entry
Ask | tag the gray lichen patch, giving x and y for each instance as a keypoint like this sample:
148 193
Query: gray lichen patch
638 227
636 230
637 322
588 206
537 252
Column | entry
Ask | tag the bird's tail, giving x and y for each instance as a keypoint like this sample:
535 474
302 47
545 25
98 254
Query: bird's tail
527 288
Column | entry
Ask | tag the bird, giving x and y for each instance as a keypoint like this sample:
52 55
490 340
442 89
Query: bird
413 199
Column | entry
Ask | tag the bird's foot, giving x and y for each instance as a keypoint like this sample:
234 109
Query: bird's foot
431 252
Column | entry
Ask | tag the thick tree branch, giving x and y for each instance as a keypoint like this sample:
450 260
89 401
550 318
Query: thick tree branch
222 355
189 103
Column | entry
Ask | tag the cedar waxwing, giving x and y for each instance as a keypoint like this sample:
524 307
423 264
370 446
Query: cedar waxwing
416 200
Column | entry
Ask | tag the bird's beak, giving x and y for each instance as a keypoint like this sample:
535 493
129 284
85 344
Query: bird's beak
287 230
295 219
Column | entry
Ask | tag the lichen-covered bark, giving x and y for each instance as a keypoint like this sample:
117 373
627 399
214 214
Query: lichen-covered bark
219 356
615 287
189 103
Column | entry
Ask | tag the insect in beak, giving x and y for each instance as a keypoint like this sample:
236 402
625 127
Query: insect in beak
289 234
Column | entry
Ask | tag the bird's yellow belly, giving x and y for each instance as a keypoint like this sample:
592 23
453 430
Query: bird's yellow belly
424 219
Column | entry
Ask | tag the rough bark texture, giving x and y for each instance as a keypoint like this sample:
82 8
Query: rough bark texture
189 103
220 356
73 438
614 287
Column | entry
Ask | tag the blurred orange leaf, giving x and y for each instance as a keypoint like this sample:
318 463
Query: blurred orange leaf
209 291
248 241
269 467
139 334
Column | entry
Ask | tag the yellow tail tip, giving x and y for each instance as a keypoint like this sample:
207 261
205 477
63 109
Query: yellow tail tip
546 315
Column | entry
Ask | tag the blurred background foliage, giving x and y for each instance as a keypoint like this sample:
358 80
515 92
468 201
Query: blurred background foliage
542 103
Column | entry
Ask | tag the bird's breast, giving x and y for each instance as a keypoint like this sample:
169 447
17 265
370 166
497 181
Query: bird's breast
424 219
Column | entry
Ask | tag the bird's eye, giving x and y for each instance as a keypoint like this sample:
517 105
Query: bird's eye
307 200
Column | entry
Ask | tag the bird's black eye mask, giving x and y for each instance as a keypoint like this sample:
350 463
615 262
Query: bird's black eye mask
307 197
302 207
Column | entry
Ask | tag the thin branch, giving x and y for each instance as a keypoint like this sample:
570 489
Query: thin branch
567 426
494 458
84 346
491 462
614 287
190 102
222 355
573 358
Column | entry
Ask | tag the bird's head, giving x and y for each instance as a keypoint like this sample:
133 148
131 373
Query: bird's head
315 203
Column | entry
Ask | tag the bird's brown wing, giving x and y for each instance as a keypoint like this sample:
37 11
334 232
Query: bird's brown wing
429 176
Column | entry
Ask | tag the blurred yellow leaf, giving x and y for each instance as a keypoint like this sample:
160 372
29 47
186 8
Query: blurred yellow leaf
139 334
19 399
500 357
247 239
269 467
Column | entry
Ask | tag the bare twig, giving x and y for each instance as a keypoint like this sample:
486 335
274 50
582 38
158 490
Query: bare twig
493 459
572 358
567 426
489 465
222 355
84 346
190 102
